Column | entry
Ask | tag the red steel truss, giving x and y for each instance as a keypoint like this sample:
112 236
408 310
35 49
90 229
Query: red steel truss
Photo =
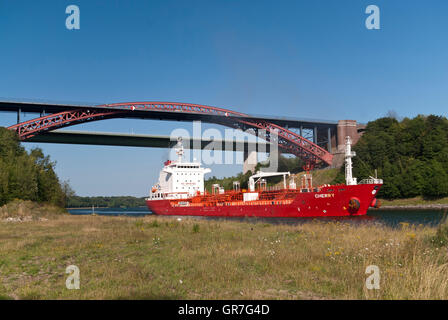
54 121
174 107
287 140
290 142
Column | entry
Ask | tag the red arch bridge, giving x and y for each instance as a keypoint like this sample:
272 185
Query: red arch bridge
277 130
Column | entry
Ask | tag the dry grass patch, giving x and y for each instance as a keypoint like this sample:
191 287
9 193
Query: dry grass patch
162 258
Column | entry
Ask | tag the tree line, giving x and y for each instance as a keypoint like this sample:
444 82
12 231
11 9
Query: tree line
410 155
74 201
27 175
30 175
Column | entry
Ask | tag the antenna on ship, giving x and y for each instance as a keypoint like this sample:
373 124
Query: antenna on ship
349 154
179 149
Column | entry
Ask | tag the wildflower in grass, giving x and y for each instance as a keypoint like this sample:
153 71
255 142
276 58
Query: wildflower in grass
156 241
411 235
404 225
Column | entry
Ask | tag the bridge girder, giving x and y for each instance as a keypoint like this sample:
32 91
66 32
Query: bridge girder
288 141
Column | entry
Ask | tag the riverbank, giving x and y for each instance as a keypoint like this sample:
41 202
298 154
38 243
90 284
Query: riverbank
417 203
76 208
164 258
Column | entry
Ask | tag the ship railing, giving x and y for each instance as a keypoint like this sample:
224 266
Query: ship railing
371 181
168 195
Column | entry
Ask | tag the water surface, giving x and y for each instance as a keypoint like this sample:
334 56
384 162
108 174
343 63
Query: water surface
391 218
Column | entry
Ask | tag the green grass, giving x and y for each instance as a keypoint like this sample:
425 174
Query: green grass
25 209
413 202
162 258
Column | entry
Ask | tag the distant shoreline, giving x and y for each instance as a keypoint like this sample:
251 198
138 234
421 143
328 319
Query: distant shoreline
101 207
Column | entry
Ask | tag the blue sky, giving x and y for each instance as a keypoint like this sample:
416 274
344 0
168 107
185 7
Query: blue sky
304 59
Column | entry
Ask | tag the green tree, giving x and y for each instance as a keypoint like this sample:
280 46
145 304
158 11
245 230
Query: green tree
436 183
411 156
27 176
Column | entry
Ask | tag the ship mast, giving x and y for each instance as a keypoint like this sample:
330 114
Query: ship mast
179 149
349 154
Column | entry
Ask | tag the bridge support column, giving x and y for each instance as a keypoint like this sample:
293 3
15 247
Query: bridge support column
345 128
18 115
250 161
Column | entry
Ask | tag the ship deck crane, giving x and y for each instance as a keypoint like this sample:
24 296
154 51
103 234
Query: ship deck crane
261 174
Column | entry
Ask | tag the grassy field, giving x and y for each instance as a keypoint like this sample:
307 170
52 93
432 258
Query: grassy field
413 202
163 258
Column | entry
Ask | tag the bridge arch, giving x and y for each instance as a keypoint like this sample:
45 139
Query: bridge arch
288 141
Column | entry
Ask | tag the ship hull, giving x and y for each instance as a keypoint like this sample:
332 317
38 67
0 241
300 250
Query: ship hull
331 201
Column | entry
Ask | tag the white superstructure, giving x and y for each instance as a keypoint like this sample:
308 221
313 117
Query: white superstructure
178 179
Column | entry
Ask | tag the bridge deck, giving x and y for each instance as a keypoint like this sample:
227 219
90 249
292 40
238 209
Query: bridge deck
47 108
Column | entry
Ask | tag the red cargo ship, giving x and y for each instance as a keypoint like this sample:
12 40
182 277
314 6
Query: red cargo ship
180 191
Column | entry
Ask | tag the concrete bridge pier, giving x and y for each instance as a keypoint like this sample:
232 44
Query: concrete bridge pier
250 161
345 128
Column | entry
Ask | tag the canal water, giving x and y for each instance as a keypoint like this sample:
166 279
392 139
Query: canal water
391 218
